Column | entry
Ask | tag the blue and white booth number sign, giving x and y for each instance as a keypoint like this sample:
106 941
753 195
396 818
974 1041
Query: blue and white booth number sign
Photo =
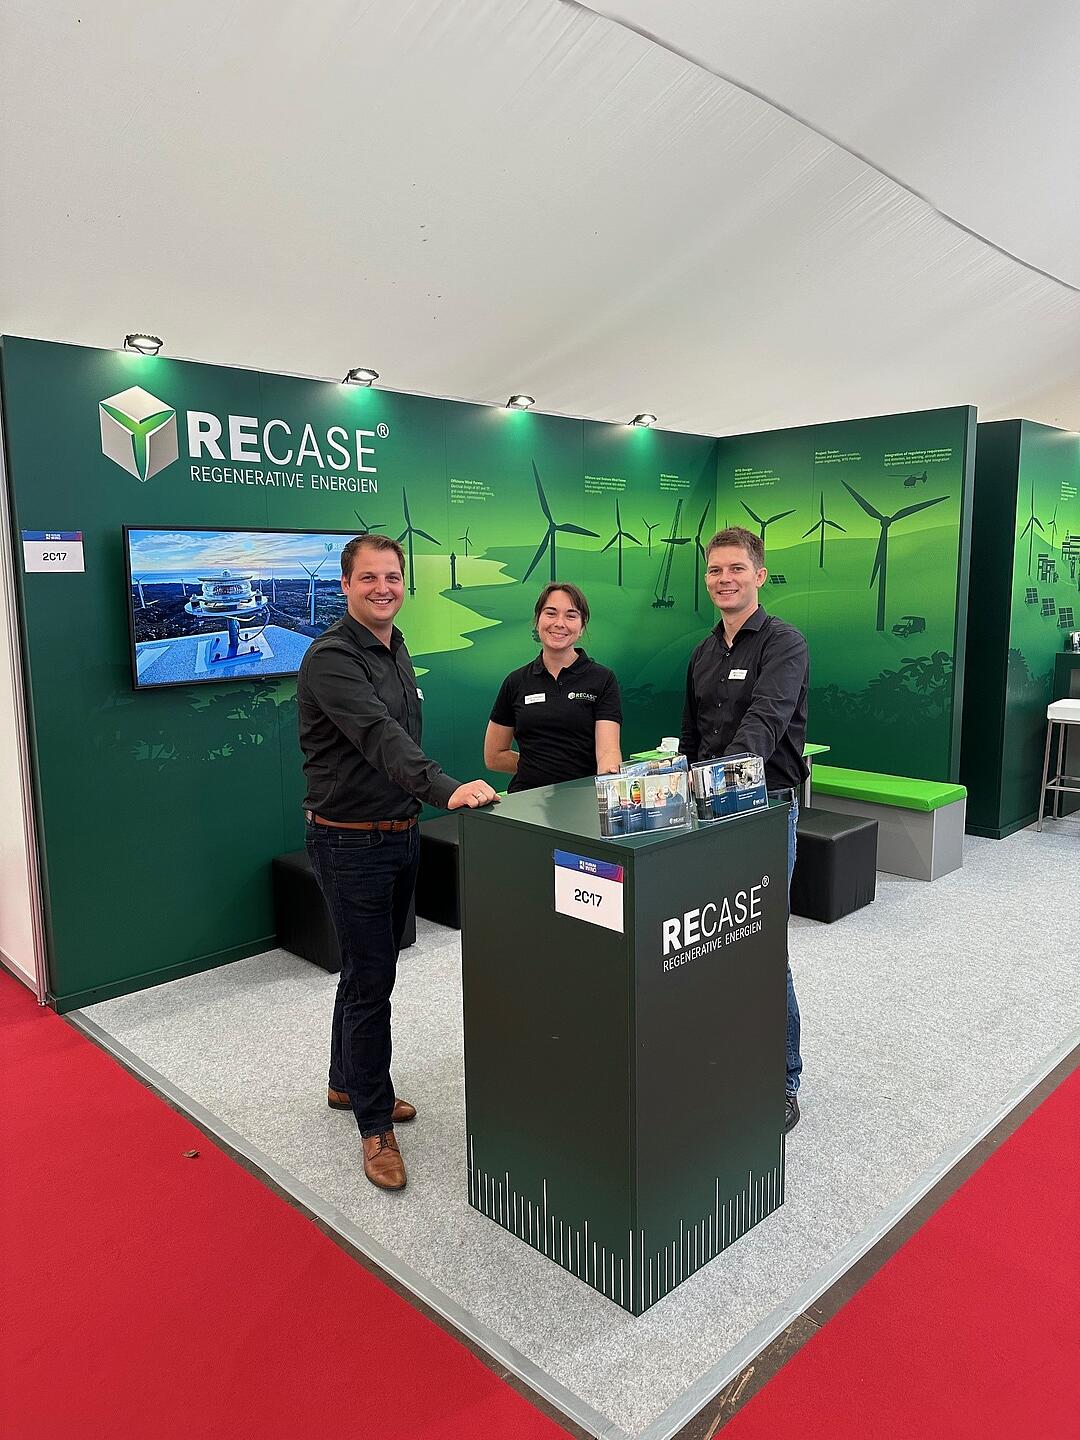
59 550
589 890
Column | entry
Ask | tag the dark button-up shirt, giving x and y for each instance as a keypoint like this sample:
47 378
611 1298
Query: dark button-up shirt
554 720
750 697
360 726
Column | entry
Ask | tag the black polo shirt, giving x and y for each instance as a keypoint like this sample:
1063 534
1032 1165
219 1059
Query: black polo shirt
554 721
750 698
360 727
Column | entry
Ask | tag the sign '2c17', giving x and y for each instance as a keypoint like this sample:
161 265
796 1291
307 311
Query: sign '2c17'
589 890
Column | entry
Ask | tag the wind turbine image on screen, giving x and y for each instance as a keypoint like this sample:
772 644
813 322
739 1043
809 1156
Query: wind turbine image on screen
311 585
650 529
1032 525
464 540
617 539
765 523
548 542
407 534
820 526
881 557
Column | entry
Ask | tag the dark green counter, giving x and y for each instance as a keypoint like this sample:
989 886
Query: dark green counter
624 1105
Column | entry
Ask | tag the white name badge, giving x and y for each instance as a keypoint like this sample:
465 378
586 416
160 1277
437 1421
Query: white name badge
589 890
55 551
736 675
419 693
534 699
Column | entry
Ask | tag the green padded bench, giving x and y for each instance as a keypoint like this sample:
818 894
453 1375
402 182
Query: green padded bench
920 822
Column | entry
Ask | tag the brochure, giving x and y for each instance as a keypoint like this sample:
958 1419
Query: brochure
644 795
729 785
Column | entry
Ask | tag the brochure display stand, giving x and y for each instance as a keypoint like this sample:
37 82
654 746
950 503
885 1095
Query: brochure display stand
624 1008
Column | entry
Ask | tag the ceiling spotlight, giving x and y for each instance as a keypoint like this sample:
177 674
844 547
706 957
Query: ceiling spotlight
520 402
143 344
645 419
361 376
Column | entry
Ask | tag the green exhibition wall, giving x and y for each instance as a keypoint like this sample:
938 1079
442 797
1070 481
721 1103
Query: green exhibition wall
1024 599
867 523
160 810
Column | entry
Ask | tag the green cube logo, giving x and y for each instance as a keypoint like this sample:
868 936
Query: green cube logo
138 432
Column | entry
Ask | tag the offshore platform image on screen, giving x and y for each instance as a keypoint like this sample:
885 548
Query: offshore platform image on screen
229 604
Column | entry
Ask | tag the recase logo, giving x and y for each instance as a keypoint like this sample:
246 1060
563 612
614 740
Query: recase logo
708 927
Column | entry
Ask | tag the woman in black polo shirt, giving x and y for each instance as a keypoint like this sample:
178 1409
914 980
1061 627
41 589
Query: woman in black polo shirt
562 708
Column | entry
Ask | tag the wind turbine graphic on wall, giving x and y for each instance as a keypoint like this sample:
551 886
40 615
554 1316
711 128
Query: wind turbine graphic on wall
821 526
650 529
311 586
618 537
663 600
407 534
1053 528
548 542
465 539
365 527
1029 528
881 558
764 523
699 556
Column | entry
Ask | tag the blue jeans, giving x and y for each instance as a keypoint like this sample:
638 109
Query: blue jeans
794 1020
367 879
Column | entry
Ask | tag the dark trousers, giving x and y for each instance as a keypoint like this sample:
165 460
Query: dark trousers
794 1019
367 878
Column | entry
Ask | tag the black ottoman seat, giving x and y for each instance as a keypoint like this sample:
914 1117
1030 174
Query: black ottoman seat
437 880
301 918
835 865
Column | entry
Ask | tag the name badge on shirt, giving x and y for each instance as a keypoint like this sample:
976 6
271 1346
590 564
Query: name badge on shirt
736 675
419 693
534 699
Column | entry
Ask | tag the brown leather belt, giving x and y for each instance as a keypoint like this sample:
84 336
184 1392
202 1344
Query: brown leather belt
394 825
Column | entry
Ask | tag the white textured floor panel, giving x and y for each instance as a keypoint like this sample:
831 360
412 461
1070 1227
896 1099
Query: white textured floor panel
922 1017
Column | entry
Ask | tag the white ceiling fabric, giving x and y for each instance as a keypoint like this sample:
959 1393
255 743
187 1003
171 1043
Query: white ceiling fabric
481 196
974 105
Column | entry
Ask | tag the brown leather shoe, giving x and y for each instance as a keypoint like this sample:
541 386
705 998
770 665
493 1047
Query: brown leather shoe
403 1112
383 1164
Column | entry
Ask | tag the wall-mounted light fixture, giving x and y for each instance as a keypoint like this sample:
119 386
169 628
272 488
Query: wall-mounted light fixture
361 376
143 344
644 419
520 402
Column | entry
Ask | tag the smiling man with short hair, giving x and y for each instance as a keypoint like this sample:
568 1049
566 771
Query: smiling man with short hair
746 694
360 729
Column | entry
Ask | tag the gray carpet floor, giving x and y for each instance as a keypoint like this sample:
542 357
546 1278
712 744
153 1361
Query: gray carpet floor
922 1015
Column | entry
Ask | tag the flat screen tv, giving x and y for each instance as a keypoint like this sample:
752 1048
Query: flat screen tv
210 604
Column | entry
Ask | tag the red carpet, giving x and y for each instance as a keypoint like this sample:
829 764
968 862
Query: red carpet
972 1329
144 1296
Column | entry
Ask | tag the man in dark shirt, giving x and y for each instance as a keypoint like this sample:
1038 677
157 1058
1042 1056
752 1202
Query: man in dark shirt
360 726
746 693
